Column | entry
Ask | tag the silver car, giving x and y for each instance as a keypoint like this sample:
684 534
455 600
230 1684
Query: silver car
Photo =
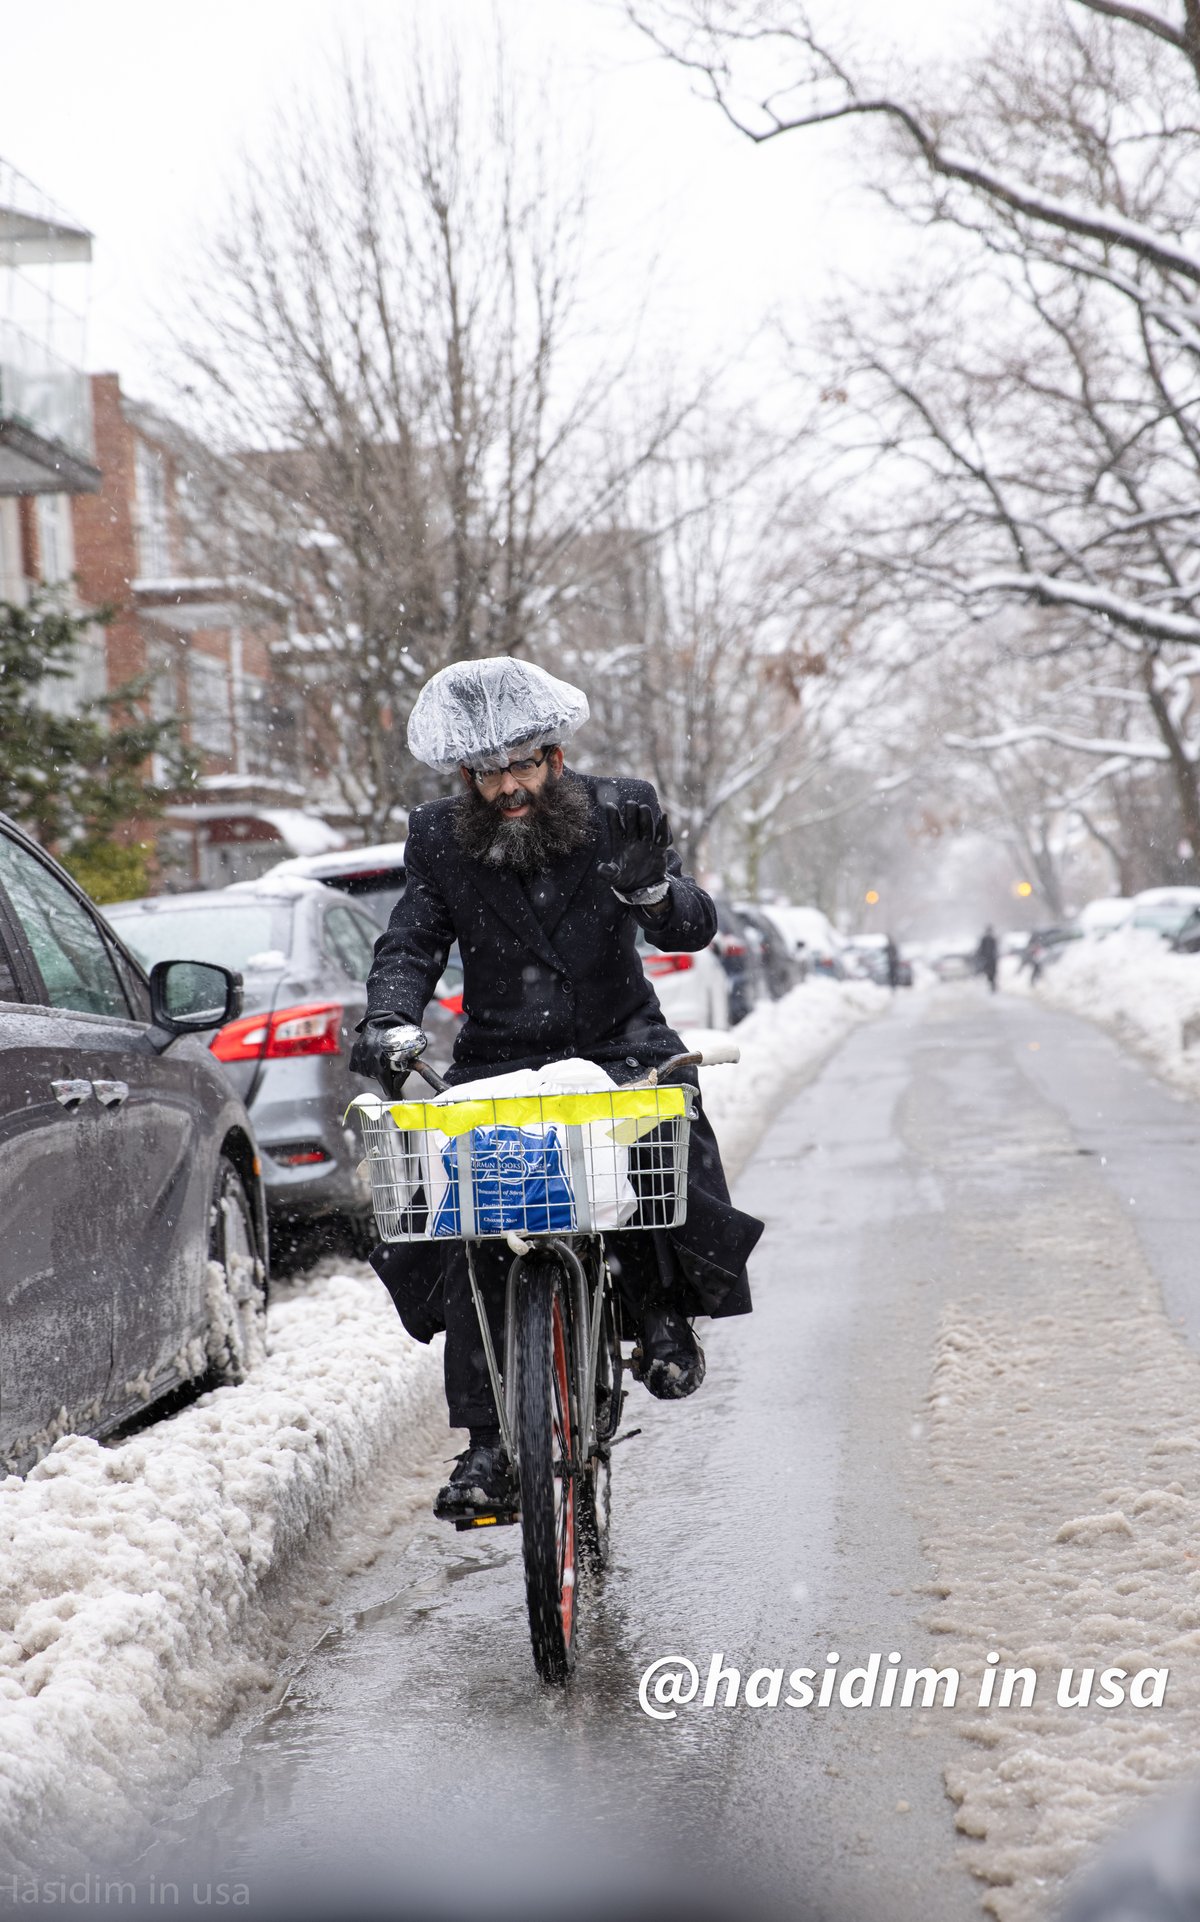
303 951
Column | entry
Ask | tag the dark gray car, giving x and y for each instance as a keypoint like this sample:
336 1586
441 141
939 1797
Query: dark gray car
303 951
127 1168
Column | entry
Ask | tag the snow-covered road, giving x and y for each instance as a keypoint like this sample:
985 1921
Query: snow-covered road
143 1584
961 1423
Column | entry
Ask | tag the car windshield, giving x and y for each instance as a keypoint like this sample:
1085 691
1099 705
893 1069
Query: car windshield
236 934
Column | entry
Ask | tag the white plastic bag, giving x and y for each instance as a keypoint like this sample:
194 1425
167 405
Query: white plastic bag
544 1148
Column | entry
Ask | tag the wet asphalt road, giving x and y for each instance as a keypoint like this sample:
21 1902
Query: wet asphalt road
770 1518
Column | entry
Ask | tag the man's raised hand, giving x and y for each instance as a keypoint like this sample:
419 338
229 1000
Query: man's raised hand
637 871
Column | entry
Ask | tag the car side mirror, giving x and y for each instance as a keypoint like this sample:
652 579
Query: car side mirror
190 997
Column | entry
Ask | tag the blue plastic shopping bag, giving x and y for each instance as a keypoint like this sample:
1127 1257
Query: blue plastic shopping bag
519 1179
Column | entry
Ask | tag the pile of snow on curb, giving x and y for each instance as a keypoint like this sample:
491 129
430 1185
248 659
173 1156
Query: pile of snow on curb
781 1043
1147 997
129 1573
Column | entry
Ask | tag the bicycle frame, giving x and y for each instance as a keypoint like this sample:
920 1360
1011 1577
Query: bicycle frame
586 1322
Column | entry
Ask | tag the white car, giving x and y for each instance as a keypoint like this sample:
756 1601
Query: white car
1102 916
373 876
692 988
864 957
814 939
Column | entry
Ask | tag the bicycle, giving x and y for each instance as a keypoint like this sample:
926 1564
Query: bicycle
552 1175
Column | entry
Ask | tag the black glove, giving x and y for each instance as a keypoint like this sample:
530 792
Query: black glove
386 1050
638 870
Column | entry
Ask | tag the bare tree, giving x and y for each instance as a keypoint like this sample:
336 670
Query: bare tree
725 667
1037 403
411 402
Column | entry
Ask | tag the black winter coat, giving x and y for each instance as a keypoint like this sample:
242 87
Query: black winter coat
551 971
550 967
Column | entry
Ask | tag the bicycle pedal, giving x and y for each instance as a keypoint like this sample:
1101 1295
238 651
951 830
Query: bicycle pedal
627 1436
497 1518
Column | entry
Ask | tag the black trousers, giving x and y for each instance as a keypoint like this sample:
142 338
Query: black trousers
643 1266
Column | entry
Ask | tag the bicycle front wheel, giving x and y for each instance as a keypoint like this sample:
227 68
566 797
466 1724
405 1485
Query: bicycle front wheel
547 1444
593 1501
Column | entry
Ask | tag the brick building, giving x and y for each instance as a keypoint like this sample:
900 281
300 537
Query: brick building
104 501
144 544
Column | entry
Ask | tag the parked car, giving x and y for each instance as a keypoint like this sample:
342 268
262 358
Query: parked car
740 953
814 940
1046 945
374 877
954 964
865 956
304 951
1187 941
1104 915
692 988
128 1167
1164 910
781 969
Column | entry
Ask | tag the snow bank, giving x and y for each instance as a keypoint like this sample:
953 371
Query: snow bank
1149 998
782 1043
131 1574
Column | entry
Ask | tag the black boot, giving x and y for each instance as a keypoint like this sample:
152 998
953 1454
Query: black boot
667 1358
482 1482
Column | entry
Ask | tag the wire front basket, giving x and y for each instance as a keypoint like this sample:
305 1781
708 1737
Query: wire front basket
531 1165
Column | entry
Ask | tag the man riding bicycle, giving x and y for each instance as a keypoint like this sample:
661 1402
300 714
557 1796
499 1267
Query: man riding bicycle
543 876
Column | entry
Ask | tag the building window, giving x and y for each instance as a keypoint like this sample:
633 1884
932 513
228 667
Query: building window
153 514
85 681
209 713
12 571
268 728
56 547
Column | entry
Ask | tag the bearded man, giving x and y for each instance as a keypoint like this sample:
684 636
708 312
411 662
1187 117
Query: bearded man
544 877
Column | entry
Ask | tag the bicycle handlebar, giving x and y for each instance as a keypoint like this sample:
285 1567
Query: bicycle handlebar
714 1054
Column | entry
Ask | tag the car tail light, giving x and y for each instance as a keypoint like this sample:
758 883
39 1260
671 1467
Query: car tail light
315 1028
729 946
299 1154
452 1002
656 965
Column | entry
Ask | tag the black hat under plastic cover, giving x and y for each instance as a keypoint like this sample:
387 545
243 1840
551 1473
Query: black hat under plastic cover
480 713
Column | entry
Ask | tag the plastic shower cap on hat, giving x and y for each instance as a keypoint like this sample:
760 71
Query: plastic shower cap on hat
478 713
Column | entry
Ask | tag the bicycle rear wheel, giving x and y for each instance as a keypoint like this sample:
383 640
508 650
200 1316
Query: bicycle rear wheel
547 1429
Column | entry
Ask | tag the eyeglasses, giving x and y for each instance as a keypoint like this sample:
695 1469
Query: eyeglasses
482 775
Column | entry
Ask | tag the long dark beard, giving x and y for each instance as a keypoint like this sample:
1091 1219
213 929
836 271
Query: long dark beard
558 822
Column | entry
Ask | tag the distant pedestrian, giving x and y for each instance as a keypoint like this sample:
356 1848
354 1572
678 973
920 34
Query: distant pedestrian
987 956
892 953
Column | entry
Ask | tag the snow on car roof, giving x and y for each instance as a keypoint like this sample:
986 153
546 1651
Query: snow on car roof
1149 897
287 887
384 854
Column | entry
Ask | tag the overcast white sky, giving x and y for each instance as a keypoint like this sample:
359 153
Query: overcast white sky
132 115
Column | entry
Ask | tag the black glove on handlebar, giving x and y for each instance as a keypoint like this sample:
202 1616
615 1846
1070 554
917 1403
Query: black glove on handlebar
640 847
385 1051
